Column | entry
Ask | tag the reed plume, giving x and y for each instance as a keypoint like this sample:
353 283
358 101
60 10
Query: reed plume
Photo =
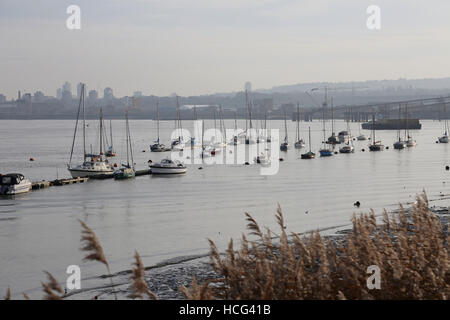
52 289
138 285
94 250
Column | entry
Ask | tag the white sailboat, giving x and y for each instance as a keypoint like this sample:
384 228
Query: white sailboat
158 146
285 145
399 144
93 164
410 142
178 144
126 171
299 142
348 144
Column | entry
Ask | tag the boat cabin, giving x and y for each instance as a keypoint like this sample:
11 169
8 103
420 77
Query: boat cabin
11 179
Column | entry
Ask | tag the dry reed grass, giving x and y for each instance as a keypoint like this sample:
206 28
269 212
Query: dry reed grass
410 250
94 250
138 285
52 289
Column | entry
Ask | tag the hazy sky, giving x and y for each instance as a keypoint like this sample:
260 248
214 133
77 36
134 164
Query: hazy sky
204 46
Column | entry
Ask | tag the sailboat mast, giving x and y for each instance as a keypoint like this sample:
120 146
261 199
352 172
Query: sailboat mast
407 125
373 129
101 131
298 122
309 133
111 136
84 126
76 125
129 139
126 132
157 118
285 128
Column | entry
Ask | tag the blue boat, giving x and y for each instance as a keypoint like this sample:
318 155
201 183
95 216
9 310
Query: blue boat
325 153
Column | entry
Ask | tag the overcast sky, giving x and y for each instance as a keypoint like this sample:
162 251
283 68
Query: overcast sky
204 46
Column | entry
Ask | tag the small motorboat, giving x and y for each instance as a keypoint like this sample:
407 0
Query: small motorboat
168 166
262 159
347 149
158 147
177 145
326 152
344 137
361 137
14 183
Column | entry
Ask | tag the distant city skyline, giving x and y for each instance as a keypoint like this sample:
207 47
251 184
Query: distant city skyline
203 47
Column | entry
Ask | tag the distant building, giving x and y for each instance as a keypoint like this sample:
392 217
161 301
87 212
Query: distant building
38 96
265 104
59 93
108 94
79 86
2 98
66 97
137 94
27 97
248 86
93 95
67 87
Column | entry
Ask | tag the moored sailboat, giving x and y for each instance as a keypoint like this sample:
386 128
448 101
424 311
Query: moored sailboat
309 154
93 164
375 145
126 171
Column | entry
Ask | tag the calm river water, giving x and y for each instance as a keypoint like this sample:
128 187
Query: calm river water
167 217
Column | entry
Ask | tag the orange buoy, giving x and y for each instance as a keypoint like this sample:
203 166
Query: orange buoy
115 165
31 159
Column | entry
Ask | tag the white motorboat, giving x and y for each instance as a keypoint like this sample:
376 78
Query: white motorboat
14 183
344 137
168 166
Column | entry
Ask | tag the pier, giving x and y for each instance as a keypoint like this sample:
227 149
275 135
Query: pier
43 184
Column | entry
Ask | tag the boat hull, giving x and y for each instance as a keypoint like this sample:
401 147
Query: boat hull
376 147
23 187
325 153
89 173
167 170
